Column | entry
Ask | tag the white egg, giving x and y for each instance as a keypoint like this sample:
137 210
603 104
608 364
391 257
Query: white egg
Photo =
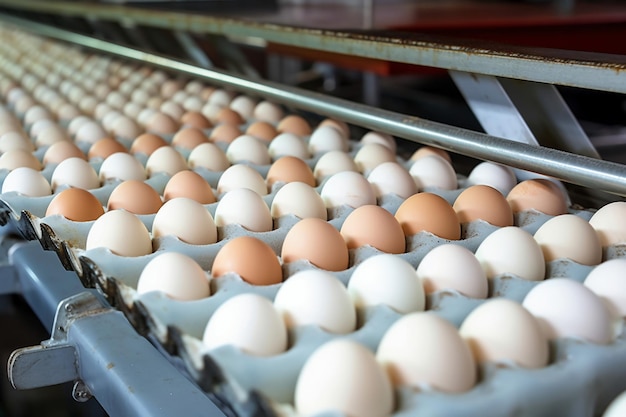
175 274
246 208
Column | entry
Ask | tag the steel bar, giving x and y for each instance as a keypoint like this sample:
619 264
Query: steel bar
578 69
576 169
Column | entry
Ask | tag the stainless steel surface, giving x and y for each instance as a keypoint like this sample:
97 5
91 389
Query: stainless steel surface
576 169
587 70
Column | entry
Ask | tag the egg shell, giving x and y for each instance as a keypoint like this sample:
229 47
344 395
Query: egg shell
433 171
189 138
247 148
500 177
340 125
298 199
15 140
60 151
105 147
262 130
318 242
186 219
571 237
327 138
374 226
299 298
392 178
125 127
121 232
431 213
288 144
189 184
268 112
389 280
294 124
194 118
243 105
225 133
443 362
136 197
343 375
75 204
567 308
246 208
172 109
161 123
537 194
607 281
121 166
503 331
482 202
75 172
90 132
347 188
428 151
16 158
228 116
241 176
608 223
381 139
248 322
165 160
175 274
617 407
289 169
146 143
26 181
371 155
208 156
333 162
511 250
437 272
250 258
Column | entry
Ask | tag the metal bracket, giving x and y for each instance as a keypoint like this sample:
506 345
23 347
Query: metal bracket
55 360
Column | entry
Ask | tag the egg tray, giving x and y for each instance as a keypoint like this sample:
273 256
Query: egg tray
580 380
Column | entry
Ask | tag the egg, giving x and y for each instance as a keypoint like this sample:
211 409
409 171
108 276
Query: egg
186 219
189 184
608 224
208 156
241 176
121 166
243 105
136 197
189 138
424 351
381 139
75 172
327 138
49 134
75 204
298 199
165 160
175 274
318 242
146 143
538 194
248 322
343 375
391 178
288 144
247 148
567 308
269 112
294 124
250 258
262 130
374 226
617 407
227 116
333 162
423 151
388 280
500 177
15 140
105 147
606 281
26 181
571 237
121 232
225 133
246 208
60 151
16 158
482 202
428 212
125 127
511 250
90 132
161 123
340 125
465 274
433 171
299 299
194 118
502 331
347 188
289 169
371 155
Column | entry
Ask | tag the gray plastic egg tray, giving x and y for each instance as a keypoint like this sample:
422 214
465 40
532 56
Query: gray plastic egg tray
581 379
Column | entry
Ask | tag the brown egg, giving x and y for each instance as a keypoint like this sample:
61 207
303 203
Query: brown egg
230 116
136 197
105 147
189 184
225 133
251 258
430 150
161 124
147 143
262 130
195 119
539 194
317 241
60 151
430 213
482 202
294 124
189 138
374 226
76 204
19 158
290 169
